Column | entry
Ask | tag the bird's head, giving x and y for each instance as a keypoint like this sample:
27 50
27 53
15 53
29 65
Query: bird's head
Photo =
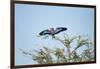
51 29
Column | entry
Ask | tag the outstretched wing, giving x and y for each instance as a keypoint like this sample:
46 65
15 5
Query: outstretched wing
45 32
60 29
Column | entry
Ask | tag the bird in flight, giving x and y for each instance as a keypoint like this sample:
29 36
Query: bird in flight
52 31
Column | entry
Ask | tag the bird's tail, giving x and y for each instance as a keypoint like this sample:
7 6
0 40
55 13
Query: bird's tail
53 37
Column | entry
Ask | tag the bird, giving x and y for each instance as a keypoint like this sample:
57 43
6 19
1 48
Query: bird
52 31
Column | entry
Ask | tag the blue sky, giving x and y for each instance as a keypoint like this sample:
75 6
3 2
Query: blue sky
32 19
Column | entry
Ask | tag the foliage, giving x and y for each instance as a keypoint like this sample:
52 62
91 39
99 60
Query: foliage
68 53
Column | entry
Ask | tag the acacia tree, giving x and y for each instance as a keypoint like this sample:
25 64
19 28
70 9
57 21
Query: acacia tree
67 53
